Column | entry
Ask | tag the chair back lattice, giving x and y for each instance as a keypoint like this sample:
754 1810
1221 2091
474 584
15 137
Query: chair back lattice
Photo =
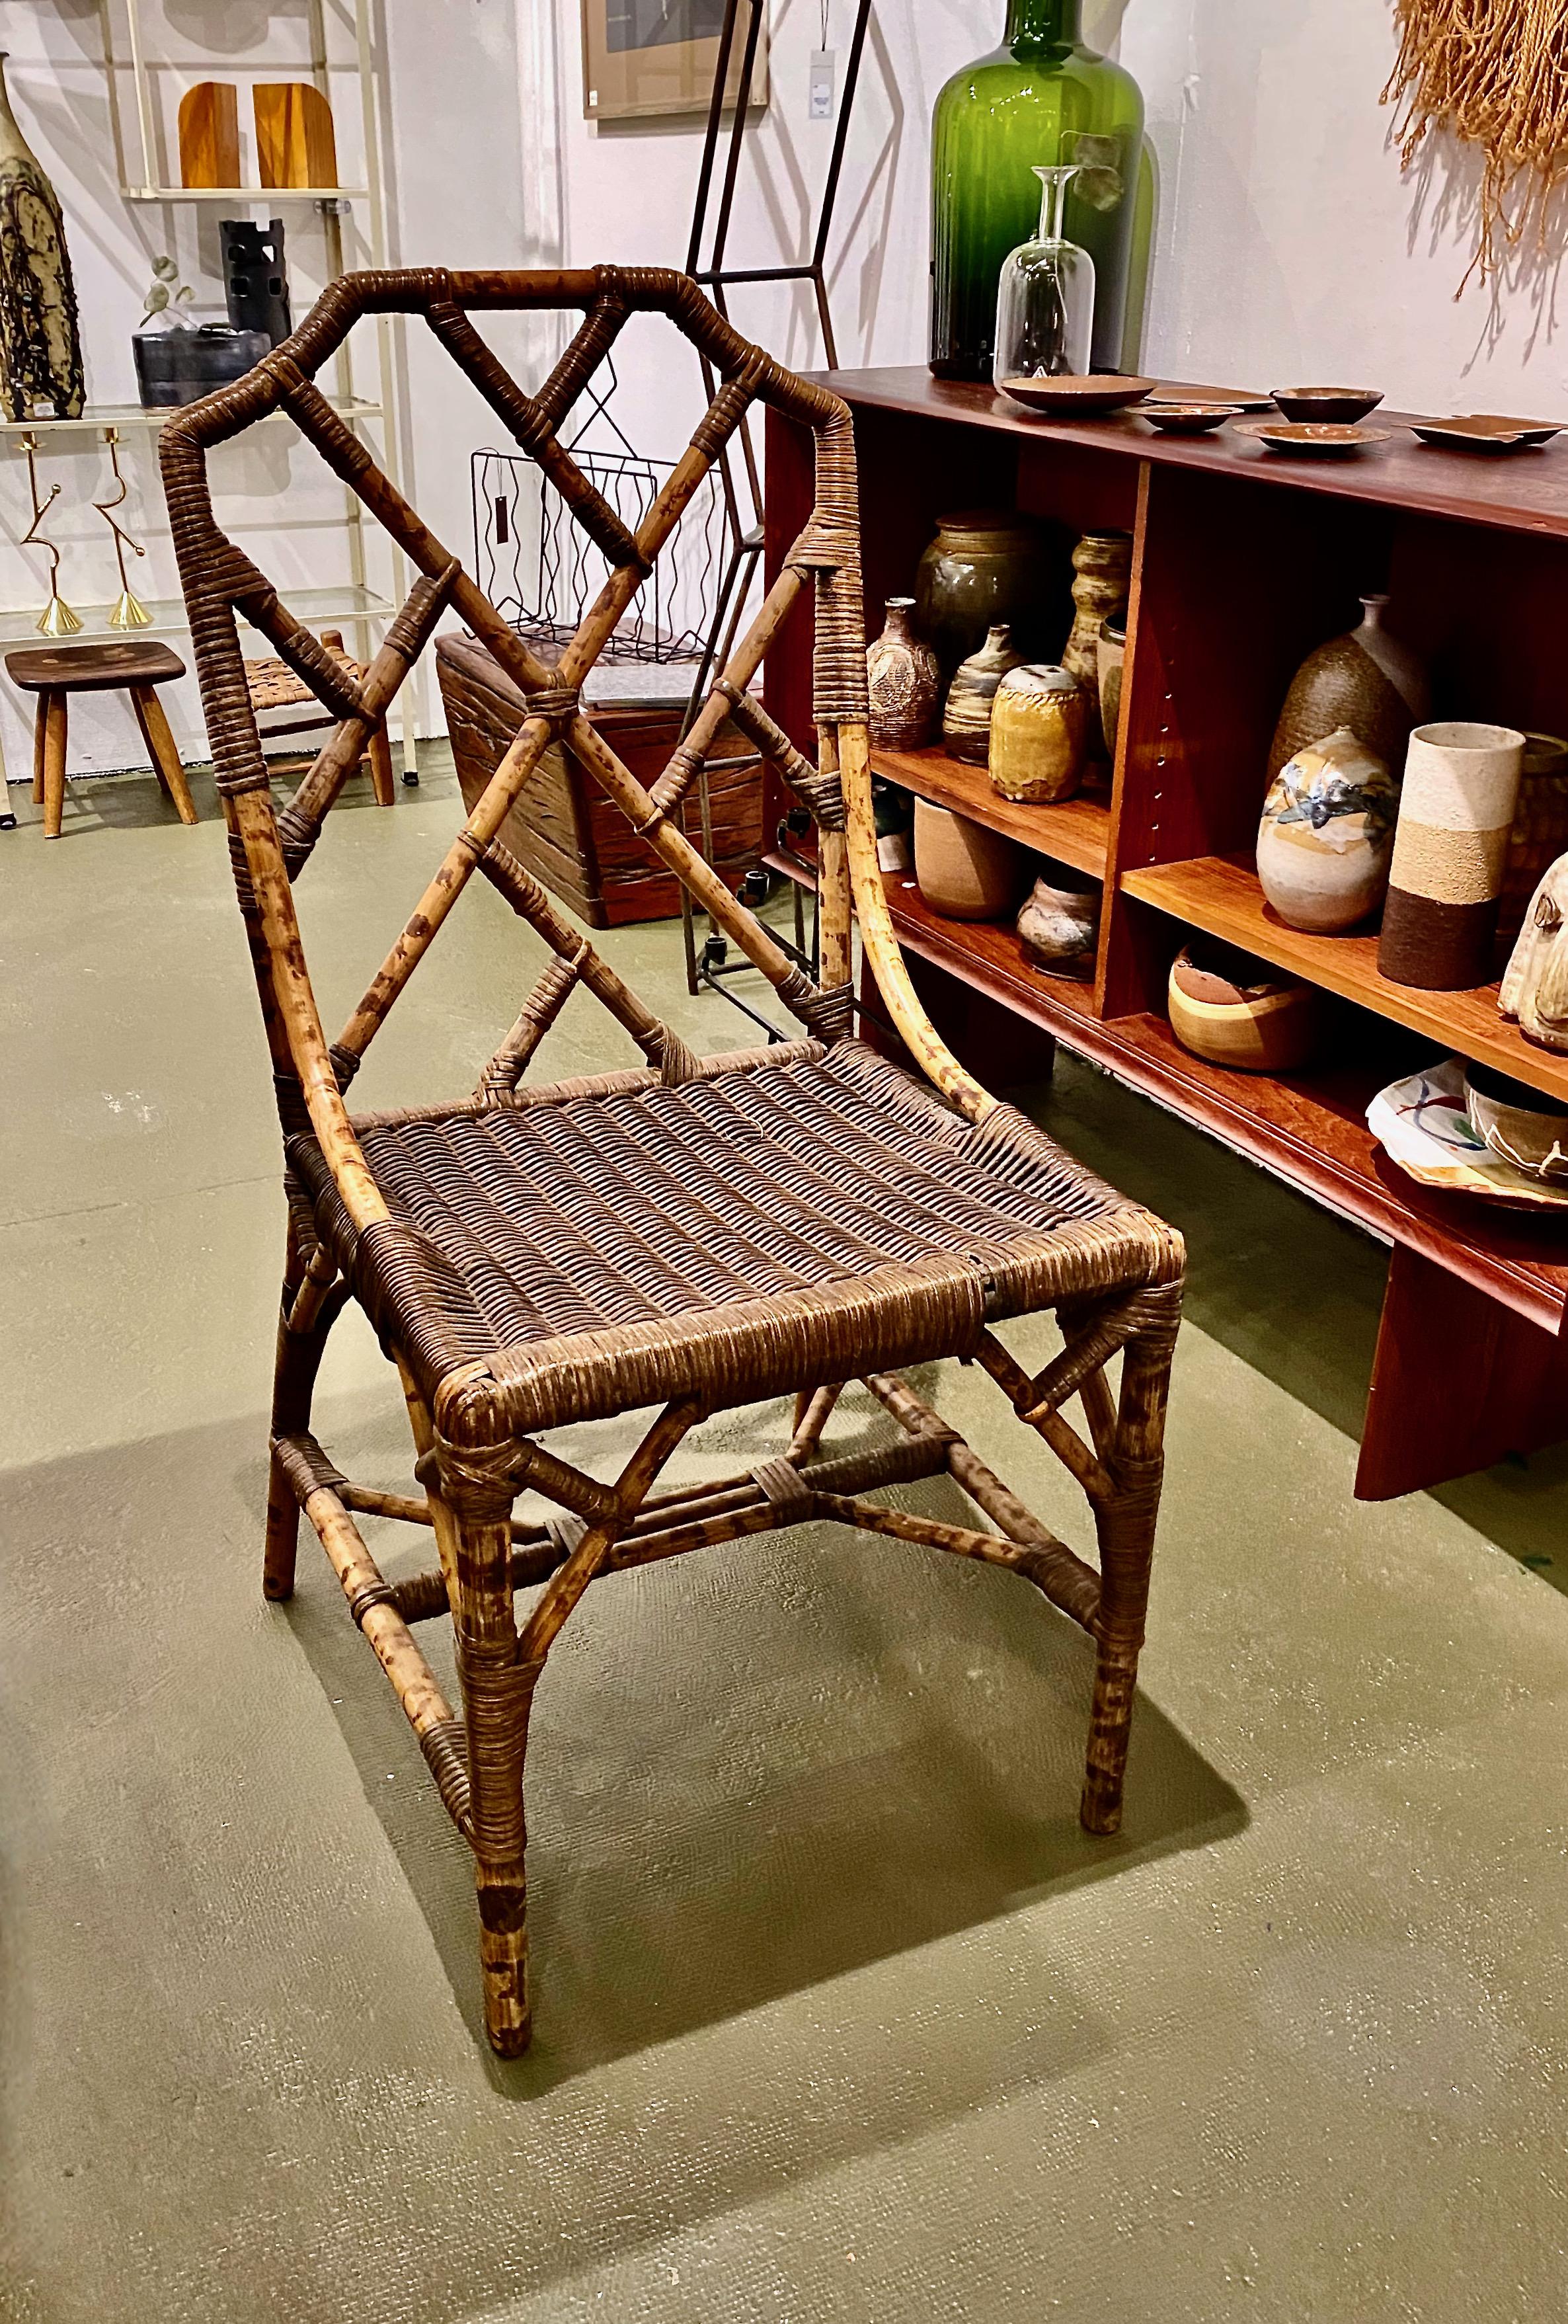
269 849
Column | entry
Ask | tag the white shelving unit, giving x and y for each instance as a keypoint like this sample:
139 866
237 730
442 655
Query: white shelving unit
144 133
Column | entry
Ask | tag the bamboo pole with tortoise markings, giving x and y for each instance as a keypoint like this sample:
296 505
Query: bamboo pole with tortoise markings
1063 1439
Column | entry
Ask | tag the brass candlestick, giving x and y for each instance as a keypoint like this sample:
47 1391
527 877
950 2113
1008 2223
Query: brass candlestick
129 612
57 619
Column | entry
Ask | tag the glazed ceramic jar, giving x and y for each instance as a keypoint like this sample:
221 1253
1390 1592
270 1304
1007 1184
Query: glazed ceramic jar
1039 725
984 567
1060 922
1327 835
1109 657
1535 991
904 681
966 712
1239 1012
1101 567
1367 680
964 871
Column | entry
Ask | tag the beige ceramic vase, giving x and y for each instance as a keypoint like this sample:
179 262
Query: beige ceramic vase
1039 727
904 681
966 712
1327 835
964 871
1102 568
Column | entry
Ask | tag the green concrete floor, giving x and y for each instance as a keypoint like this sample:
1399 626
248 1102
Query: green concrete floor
839 2013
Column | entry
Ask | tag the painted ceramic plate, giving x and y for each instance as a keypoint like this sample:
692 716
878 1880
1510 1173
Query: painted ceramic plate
1313 439
1422 1125
1186 419
1083 395
1341 404
1484 431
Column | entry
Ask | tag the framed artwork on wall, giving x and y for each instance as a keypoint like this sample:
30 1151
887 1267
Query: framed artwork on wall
642 58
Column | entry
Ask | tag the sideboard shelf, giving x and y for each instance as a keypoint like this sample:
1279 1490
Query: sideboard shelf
1241 563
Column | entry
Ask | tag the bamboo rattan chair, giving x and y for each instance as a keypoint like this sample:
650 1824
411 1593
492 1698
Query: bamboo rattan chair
692 1235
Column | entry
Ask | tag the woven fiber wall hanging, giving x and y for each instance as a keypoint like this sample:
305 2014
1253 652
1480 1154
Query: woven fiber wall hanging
1494 72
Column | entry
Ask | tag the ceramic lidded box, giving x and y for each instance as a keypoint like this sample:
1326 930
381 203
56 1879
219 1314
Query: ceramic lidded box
1326 839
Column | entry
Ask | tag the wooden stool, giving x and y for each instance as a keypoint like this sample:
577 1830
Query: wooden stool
274 685
134 666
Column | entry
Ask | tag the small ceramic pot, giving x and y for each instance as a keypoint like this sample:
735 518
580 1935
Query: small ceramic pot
984 566
1521 1124
1060 923
1451 845
965 872
1111 655
1327 835
966 712
904 680
1237 1011
1535 991
1040 725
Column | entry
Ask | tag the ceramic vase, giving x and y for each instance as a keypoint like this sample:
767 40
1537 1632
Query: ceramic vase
984 567
1102 567
964 871
1367 680
1520 1124
1237 1011
1043 97
41 352
1534 990
1039 725
904 680
1327 835
1109 658
1060 923
1540 829
1462 784
966 712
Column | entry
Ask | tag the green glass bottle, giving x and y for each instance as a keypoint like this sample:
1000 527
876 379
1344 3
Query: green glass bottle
1039 99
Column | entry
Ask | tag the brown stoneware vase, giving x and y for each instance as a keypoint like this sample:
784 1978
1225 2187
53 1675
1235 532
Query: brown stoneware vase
1367 680
1101 567
984 567
964 871
966 712
904 680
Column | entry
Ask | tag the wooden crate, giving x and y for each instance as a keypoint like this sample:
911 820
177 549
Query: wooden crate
563 827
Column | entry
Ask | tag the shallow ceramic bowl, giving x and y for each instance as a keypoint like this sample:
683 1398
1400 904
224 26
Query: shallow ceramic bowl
1522 1125
1484 431
1236 1012
1082 395
1333 403
1186 419
1313 439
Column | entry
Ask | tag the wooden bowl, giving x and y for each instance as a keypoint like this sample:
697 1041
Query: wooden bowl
1237 1013
1186 419
1079 397
1313 439
1335 403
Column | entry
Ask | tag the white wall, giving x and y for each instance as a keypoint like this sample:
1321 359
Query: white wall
1289 246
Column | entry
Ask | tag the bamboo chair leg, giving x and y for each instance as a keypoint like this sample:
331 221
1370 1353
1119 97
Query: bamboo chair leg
52 710
299 1360
1125 1524
497 1701
378 751
161 749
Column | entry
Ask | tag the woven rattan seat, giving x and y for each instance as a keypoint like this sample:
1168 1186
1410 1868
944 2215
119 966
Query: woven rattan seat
541 1235
690 1234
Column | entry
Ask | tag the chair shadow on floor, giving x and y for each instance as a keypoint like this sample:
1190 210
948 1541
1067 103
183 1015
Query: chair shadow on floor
761 1767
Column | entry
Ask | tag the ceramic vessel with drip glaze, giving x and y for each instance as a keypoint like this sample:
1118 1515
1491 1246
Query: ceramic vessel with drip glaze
966 712
1039 726
1102 567
1060 922
1327 835
1368 681
984 566
904 680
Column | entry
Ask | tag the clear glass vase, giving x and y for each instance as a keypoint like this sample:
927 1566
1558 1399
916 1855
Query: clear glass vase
1044 306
